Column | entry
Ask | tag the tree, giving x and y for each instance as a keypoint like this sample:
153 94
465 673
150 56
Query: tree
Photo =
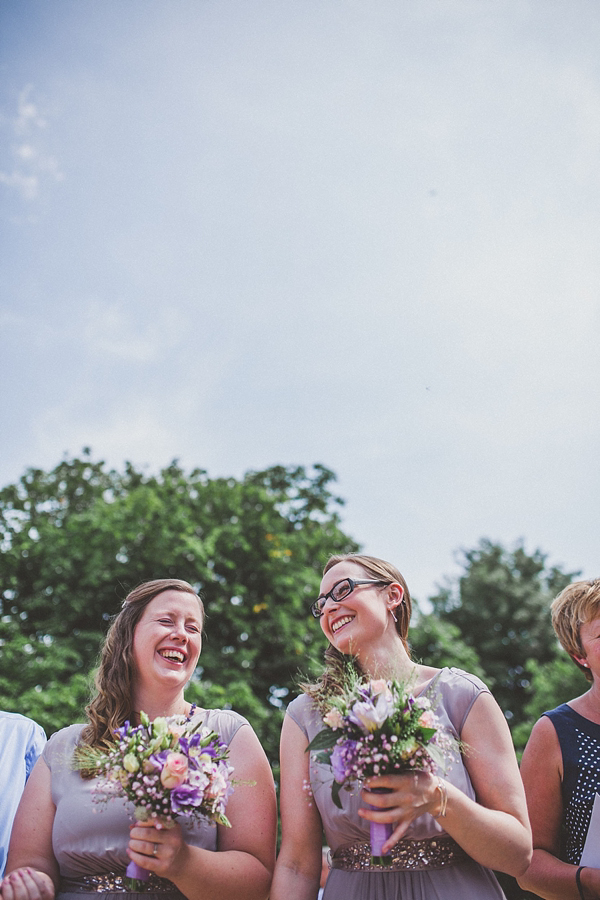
552 683
77 538
501 607
438 643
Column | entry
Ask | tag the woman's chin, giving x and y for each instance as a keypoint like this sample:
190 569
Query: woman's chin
343 642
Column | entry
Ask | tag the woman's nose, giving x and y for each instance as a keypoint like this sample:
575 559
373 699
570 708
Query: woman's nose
329 600
178 631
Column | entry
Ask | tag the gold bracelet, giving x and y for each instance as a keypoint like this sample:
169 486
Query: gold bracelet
443 789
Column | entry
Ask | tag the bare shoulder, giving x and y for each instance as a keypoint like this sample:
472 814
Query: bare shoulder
543 749
423 675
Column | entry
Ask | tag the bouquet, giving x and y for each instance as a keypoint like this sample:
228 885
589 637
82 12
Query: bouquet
378 728
165 768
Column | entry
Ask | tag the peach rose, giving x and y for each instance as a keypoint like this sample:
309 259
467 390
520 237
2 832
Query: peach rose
174 771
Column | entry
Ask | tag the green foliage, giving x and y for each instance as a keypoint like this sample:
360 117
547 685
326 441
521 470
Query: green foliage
77 538
433 641
552 683
501 608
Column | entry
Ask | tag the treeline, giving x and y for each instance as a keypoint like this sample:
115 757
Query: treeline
74 541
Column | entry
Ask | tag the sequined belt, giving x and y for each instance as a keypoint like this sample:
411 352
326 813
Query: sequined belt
111 882
429 853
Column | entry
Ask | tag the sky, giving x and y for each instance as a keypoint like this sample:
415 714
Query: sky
243 233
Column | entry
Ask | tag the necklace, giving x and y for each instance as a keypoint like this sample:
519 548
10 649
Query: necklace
193 708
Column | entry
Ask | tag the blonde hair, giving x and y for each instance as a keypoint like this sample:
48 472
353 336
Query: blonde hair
111 706
576 605
332 679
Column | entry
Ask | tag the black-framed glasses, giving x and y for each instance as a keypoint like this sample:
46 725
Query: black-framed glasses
339 591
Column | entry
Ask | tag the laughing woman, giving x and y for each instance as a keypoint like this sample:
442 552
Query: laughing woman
448 832
63 845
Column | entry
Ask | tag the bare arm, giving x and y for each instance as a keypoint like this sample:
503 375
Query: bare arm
243 867
32 870
298 866
541 769
494 829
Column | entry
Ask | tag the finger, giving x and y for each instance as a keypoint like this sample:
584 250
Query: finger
396 835
382 801
391 780
33 886
43 883
385 816
6 889
144 846
17 889
142 833
142 859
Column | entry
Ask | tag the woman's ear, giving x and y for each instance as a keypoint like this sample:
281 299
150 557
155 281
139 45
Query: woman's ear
582 661
396 595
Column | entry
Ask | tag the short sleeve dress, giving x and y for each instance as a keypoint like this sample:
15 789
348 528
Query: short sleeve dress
90 838
428 864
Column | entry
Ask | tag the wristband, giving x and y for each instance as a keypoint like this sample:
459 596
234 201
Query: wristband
578 881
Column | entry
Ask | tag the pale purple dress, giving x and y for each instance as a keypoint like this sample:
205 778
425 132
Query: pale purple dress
90 838
452 693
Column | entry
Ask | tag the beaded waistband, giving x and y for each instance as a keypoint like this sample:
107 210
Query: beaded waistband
406 855
113 882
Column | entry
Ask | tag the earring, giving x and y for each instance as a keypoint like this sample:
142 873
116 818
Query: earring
393 615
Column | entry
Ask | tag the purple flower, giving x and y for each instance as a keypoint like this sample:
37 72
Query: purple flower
184 796
159 759
343 756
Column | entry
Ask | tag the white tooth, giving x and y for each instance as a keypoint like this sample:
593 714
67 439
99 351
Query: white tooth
173 654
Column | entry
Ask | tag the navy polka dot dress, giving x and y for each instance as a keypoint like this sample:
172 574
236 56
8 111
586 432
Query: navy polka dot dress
580 746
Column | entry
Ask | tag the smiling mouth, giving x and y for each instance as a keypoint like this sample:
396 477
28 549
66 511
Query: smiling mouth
339 623
173 655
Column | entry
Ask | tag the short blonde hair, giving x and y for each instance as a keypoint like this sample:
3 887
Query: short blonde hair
577 604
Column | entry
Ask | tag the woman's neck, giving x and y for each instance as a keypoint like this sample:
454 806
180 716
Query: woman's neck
155 705
588 705
387 662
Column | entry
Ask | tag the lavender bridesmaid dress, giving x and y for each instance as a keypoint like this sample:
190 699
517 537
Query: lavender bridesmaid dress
89 838
430 866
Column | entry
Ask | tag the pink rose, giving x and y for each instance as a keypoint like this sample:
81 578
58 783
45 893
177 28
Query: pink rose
333 718
427 719
379 686
174 771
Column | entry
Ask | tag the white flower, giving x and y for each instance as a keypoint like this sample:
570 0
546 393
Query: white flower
371 714
130 762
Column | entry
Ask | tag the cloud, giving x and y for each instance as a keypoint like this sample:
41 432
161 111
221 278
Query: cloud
26 167
116 329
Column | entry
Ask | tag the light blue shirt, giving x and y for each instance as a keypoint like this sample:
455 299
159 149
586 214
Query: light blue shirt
21 742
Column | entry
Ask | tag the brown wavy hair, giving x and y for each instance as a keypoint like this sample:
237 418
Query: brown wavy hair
335 674
111 706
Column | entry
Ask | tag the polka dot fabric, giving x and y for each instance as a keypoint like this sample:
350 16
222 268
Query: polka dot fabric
580 747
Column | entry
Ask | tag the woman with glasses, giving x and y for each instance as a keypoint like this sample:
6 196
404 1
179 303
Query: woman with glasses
449 832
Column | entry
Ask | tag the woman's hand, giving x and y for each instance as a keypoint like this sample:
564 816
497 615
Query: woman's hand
159 848
27 884
590 882
408 797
